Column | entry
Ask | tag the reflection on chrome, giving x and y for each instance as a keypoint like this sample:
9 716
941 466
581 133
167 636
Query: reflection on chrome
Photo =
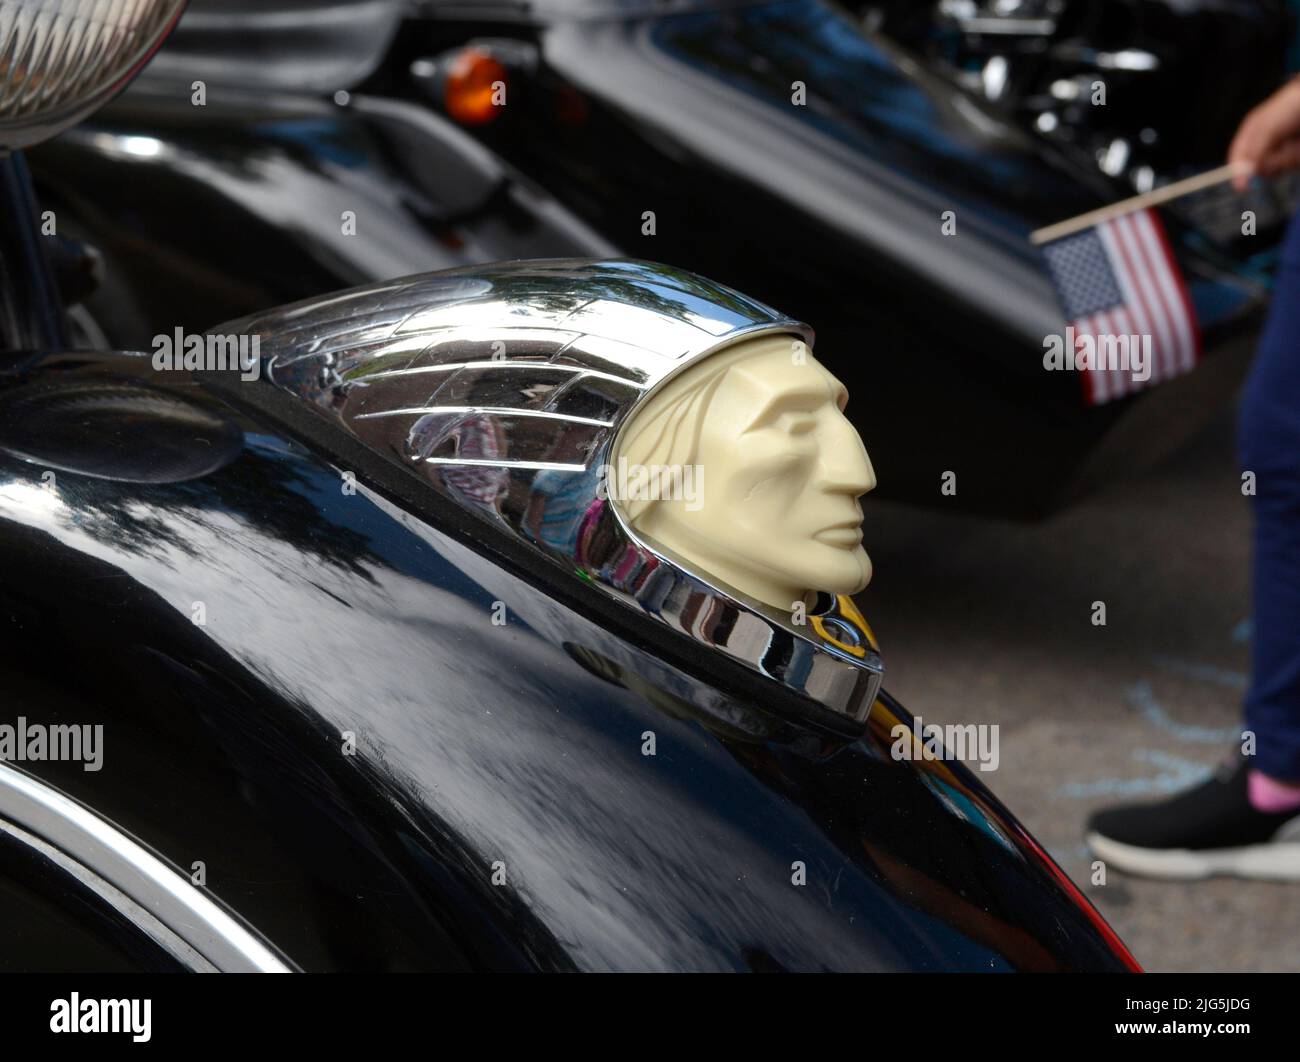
503 387
159 901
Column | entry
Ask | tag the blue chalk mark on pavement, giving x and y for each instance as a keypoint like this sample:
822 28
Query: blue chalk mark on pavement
1205 672
1175 774
1143 701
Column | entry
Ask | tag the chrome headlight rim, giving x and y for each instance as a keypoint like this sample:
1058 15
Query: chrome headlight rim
26 123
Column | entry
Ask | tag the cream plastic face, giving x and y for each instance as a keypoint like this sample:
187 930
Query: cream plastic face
745 468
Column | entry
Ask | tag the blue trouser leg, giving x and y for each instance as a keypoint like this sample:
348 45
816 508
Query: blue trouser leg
1269 442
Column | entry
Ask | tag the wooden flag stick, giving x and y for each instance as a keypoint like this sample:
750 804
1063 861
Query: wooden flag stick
1139 202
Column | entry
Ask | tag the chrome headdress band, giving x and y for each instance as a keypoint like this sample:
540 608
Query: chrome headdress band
503 387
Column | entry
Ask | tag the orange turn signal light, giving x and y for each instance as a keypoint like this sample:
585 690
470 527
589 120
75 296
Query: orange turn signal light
476 87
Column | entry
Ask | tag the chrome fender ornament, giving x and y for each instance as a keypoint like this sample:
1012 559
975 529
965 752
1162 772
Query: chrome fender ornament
666 439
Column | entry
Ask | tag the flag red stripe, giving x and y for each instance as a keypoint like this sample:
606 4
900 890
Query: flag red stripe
1144 320
1160 240
1158 275
1164 337
1122 258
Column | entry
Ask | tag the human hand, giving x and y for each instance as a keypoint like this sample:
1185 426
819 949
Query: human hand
1267 142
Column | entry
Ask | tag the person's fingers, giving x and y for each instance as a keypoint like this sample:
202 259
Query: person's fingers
1258 135
1247 167
1246 171
1283 158
1264 130
1249 145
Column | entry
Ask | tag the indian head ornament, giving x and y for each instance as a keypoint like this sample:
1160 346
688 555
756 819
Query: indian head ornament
663 438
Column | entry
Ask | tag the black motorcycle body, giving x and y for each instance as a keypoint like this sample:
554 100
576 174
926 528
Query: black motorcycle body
351 723
890 206
499 811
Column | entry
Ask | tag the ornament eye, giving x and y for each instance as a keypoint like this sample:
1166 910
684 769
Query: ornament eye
797 423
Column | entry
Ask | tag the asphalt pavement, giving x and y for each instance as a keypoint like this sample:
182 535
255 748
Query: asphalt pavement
982 621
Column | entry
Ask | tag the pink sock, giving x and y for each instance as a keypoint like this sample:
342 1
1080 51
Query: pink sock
1269 795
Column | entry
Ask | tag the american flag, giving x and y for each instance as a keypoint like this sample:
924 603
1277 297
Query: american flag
1120 278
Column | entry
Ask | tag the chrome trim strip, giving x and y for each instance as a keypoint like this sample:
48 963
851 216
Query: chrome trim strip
508 411
500 363
131 869
482 463
133 912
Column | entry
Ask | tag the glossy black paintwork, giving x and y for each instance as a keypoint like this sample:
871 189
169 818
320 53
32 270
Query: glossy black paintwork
831 211
208 213
328 612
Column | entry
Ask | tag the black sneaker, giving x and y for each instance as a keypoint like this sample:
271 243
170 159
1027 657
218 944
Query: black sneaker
1212 829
